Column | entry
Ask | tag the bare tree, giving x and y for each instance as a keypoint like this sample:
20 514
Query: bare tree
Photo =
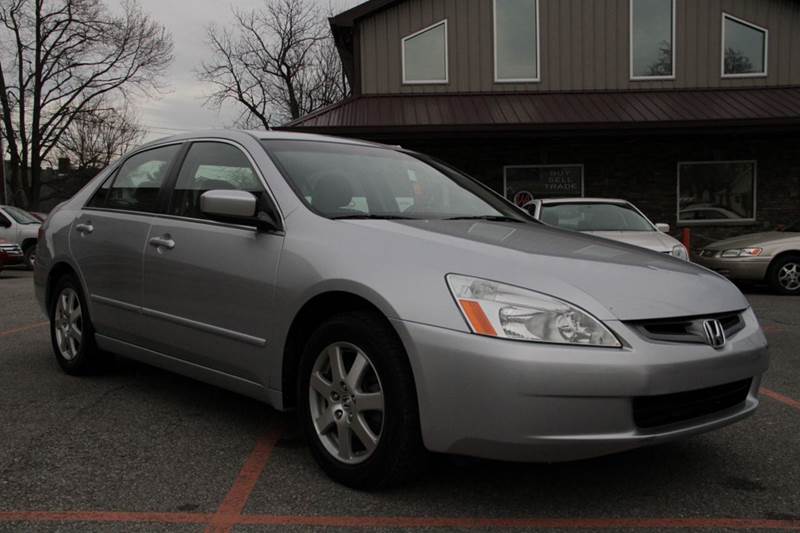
278 62
98 136
59 57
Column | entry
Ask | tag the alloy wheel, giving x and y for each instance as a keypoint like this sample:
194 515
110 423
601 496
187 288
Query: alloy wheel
789 276
68 324
346 401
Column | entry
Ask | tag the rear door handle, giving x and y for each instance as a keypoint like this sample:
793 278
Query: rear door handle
162 242
84 228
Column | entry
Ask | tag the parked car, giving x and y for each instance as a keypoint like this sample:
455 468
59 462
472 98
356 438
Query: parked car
613 219
707 212
22 228
398 305
773 256
10 254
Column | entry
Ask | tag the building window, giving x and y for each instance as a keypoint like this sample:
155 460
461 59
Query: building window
524 183
425 55
652 36
717 191
744 48
516 40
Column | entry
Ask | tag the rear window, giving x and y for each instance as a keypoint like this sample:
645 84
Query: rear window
595 217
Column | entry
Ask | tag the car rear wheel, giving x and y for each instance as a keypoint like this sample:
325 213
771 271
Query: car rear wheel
784 275
71 330
30 255
358 404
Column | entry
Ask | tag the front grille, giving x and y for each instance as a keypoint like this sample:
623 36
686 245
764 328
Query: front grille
11 248
688 329
666 409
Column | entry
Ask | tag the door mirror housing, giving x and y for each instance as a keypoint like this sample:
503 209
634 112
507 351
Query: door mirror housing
228 204
663 228
238 207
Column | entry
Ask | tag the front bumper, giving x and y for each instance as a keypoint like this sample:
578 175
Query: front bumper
741 268
520 401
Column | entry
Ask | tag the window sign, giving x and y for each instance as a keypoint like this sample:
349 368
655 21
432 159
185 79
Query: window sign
524 183
716 191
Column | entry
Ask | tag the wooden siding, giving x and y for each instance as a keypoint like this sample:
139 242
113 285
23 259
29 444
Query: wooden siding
584 45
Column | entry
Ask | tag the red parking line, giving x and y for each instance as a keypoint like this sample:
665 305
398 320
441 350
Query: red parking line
230 512
103 516
23 328
781 398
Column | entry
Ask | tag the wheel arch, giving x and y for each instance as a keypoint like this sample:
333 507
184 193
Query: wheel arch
57 271
310 315
786 253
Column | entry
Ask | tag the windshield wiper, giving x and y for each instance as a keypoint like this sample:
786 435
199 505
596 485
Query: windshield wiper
371 217
492 218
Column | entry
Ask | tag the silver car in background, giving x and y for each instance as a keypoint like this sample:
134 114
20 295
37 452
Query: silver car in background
398 305
772 256
614 219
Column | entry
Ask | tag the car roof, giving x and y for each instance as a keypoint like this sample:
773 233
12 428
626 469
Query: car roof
234 134
546 201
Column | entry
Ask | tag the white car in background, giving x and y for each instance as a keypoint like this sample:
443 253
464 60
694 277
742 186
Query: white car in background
618 220
22 228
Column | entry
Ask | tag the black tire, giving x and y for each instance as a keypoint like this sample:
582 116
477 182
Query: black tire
88 359
30 256
774 273
400 454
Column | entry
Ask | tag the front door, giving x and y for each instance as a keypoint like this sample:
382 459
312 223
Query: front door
208 285
108 238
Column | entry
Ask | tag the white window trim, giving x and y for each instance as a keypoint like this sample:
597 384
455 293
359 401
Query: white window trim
766 48
562 165
446 79
538 78
721 221
633 77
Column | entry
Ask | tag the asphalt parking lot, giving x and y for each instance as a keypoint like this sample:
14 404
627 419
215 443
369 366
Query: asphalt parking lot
139 449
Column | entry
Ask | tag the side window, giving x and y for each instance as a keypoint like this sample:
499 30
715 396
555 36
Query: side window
139 180
4 222
213 166
100 196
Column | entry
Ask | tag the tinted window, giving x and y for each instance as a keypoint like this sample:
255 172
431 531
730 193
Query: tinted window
214 166
595 217
139 180
723 191
745 48
425 55
516 29
651 38
340 180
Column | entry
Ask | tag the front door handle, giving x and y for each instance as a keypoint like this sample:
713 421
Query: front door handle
84 228
163 242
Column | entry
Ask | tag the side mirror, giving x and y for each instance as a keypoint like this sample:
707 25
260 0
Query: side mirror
663 228
236 206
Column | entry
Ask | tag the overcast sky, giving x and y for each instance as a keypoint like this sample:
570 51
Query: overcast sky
181 107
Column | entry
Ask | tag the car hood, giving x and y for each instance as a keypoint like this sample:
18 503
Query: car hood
652 240
751 239
611 280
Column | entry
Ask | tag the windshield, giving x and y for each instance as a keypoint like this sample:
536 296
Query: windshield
595 217
22 217
342 180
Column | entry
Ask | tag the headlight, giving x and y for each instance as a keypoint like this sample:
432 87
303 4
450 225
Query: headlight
743 252
499 310
680 252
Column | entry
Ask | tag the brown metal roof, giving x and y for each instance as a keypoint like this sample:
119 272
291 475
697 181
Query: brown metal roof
547 111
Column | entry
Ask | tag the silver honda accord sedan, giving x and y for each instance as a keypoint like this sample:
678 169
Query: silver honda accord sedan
396 304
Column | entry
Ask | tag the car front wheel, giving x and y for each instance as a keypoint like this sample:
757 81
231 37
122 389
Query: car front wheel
784 275
358 403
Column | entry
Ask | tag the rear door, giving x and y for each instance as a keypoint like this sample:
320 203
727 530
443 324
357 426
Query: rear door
108 238
208 294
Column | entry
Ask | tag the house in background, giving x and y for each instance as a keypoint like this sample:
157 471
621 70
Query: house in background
689 108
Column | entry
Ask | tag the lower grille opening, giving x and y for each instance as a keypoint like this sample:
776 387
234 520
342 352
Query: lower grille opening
654 411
